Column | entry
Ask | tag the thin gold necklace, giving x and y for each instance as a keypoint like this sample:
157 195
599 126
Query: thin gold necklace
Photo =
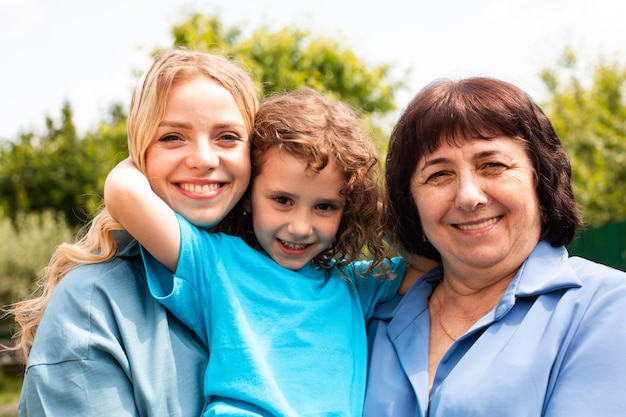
439 318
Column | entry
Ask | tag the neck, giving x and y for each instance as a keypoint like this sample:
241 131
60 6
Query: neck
466 304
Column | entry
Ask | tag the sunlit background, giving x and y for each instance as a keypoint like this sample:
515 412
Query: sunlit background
88 53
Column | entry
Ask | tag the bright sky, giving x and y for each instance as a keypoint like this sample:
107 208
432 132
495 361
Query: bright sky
87 53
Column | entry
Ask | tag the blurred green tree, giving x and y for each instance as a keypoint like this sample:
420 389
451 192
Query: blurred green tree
60 171
589 114
29 241
284 59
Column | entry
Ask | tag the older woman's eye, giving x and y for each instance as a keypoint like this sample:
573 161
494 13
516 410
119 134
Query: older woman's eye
435 176
494 167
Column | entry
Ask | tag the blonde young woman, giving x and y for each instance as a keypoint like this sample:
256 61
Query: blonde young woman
102 345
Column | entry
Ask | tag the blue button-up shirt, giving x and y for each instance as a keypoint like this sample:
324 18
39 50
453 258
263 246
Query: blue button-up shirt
555 345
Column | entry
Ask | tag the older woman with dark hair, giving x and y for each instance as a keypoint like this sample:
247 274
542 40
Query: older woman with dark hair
508 325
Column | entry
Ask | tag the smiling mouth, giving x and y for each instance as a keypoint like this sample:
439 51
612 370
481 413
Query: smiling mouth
200 188
480 225
294 246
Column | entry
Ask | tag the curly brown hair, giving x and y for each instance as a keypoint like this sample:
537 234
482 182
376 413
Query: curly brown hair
316 130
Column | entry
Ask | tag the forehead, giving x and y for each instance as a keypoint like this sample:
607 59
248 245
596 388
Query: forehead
282 171
476 147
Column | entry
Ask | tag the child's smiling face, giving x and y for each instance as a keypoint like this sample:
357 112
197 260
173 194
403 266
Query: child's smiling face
296 212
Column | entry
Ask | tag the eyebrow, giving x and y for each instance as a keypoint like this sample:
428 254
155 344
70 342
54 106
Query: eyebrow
479 155
338 201
183 125
435 161
322 200
168 123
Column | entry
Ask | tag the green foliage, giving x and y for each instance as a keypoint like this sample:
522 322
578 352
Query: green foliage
208 33
285 59
59 171
591 121
28 244
10 387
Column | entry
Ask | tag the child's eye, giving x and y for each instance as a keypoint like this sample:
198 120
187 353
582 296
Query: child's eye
282 200
327 207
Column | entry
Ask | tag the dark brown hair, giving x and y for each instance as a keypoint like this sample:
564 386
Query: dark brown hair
476 108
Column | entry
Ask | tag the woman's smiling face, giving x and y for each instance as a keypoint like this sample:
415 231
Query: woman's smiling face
199 159
477 203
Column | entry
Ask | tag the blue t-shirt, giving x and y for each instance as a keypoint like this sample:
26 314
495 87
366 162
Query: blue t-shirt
555 345
282 342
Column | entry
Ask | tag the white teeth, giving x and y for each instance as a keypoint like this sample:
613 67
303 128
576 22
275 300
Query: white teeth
477 225
199 188
294 246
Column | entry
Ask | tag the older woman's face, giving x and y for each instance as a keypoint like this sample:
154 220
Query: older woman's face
478 204
199 159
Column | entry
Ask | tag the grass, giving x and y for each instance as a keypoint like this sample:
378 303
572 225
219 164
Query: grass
10 387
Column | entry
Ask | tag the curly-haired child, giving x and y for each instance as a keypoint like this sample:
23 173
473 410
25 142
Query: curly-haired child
282 307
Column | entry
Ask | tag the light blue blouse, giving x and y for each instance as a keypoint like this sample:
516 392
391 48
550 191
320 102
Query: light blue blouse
555 345
105 347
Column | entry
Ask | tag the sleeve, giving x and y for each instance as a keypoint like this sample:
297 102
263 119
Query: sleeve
373 290
186 292
105 347
67 373
84 388
592 373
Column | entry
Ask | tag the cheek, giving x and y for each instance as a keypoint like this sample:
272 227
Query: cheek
158 161
156 172
332 227
239 157
524 187
532 209
423 202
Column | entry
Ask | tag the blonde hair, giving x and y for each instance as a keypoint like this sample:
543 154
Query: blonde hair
314 129
96 243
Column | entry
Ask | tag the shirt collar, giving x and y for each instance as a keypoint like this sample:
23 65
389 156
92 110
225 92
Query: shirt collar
546 269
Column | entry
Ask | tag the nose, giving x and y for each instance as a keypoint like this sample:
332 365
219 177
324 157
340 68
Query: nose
203 155
470 193
300 224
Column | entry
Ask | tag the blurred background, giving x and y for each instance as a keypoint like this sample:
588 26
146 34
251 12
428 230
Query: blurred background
69 67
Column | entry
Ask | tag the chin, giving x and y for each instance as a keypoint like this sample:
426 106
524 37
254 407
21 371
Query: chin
201 222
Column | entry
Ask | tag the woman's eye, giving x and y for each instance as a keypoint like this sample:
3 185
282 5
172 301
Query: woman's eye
230 137
169 138
436 176
494 167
